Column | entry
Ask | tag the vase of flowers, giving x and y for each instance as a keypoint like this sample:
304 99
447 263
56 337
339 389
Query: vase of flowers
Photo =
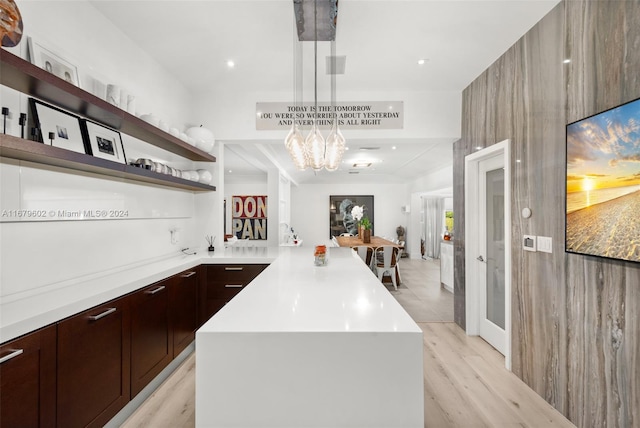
366 230
357 212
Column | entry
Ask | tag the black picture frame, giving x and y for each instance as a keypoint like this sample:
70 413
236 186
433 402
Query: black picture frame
103 142
602 187
64 126
339 205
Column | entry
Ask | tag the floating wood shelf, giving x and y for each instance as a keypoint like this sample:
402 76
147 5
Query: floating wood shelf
21 75
18 148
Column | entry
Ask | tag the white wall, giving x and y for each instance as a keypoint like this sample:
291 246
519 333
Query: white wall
310 208
36 256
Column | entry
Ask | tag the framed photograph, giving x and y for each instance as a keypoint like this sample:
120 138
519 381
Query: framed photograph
52 62
103 142
64 127
340 218
603 184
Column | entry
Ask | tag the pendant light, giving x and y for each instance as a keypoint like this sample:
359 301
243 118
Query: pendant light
314 143
313 151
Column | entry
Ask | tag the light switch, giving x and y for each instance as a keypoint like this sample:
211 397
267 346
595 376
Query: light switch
545 244
529 243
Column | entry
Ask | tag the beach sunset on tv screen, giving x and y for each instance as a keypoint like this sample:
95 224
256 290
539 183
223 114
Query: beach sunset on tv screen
603 184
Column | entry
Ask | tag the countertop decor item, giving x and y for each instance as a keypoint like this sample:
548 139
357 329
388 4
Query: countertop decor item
211 240
320 255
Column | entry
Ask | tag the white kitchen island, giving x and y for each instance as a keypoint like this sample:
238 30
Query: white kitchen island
309 346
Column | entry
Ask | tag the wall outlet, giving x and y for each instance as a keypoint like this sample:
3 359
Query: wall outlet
545 244
529 243
175 238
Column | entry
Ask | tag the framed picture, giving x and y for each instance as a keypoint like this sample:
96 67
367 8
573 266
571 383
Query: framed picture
103 142
340 218
64 127
603 184
52 62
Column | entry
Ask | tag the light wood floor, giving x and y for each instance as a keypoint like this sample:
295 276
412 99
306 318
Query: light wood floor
465 382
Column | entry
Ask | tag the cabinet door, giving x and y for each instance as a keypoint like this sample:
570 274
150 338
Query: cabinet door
93 365
150 334
183 293
221 283
28 380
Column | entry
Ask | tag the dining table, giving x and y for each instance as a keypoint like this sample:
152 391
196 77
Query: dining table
374 242
355 241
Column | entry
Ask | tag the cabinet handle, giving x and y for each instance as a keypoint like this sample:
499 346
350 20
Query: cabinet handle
155 290
234 268
233 285
188 274
102 315
11 355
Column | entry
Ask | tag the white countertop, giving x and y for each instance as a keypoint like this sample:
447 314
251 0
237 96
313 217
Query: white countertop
311 346
29 311
293 295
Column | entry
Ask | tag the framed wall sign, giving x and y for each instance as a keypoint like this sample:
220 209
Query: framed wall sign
64 127
52 62
104 142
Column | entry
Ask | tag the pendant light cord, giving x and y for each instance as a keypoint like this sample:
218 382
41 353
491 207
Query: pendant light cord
315 62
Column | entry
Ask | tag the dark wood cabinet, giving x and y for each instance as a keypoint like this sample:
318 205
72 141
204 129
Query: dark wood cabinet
28 380
183 293
221 283
151 341
93 370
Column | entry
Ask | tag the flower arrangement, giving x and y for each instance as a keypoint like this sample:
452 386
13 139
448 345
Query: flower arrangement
357 212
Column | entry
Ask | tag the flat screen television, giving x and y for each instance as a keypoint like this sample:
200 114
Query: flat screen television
603 184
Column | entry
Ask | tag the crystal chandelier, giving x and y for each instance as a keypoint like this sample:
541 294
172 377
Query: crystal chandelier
314 151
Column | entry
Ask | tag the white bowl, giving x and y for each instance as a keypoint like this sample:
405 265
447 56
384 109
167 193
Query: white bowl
205 146
205 176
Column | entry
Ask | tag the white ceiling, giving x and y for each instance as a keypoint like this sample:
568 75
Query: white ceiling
382 40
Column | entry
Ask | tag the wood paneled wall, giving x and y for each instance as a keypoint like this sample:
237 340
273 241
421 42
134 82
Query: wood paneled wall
575 319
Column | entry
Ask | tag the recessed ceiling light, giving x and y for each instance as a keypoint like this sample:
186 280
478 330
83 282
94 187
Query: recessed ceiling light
566 61
230 171
393 147
479 147
346 148
518 161
421 61
231 64
362 164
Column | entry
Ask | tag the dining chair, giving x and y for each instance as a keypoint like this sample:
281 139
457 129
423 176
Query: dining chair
346 234
385 261
365 253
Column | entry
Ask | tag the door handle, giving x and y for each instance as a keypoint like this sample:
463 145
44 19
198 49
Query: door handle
188 274
481 259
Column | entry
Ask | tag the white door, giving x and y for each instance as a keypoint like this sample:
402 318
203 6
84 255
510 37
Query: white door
491 249
487 246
